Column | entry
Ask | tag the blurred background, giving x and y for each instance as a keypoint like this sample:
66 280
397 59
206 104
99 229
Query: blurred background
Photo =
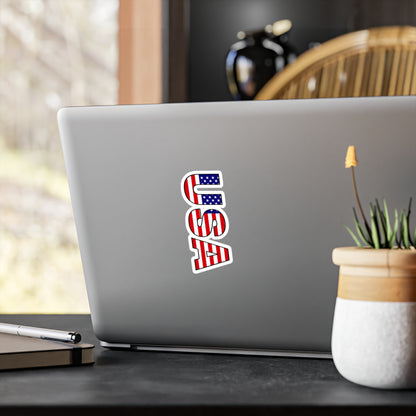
56 53
52 54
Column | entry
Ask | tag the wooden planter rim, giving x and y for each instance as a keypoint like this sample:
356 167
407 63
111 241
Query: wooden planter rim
376 275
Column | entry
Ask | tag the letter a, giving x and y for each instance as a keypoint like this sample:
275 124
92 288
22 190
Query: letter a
208 255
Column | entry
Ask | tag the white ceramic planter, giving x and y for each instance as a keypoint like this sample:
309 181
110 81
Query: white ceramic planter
374 329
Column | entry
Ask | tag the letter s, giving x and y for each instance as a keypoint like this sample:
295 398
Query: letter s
211 221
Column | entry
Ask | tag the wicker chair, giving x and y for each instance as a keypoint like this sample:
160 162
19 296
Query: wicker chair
373 62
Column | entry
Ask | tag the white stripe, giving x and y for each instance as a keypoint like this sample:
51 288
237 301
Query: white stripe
222 254
198 261
215 257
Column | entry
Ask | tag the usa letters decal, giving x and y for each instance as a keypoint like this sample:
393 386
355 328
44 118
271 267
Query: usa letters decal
206 220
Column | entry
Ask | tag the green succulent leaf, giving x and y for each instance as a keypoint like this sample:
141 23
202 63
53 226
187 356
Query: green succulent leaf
414 238
383 225
360 231
405 225
387 220
374 228
356 240
393 234
399 239
380 232
408 223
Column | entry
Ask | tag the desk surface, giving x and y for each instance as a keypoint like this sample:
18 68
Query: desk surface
125 382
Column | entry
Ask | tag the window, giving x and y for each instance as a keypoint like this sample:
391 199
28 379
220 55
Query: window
52 54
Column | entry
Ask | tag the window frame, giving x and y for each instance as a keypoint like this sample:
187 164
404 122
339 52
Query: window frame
153 51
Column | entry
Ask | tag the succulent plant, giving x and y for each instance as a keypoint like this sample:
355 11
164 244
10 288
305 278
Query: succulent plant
379 233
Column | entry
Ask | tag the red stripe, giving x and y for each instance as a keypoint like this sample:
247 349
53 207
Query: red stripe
191 221
203 256
186 188
222 221
198 197
215 227
218 250
194 195
227 255
196 261
217 230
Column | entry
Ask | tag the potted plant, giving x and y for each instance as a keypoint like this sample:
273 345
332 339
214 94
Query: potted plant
374 328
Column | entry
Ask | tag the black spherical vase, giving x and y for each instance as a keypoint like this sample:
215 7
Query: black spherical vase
254 59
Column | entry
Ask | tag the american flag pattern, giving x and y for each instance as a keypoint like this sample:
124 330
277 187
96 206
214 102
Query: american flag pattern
206 220
209 255
211 221
205 180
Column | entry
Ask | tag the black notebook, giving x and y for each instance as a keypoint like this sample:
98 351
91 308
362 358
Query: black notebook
26 352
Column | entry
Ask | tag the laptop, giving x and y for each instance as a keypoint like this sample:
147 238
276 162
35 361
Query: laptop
209 227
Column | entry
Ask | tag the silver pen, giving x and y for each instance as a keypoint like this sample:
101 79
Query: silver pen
30 331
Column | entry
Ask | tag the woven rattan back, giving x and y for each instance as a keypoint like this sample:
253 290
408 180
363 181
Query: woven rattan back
373 62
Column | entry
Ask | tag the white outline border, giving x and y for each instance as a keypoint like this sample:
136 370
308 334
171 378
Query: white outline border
209 239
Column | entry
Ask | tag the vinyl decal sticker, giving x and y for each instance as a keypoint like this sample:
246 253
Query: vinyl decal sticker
206 220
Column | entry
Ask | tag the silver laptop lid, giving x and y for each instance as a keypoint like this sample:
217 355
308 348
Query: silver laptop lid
278 196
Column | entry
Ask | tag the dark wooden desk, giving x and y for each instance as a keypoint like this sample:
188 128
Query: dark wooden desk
149 383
